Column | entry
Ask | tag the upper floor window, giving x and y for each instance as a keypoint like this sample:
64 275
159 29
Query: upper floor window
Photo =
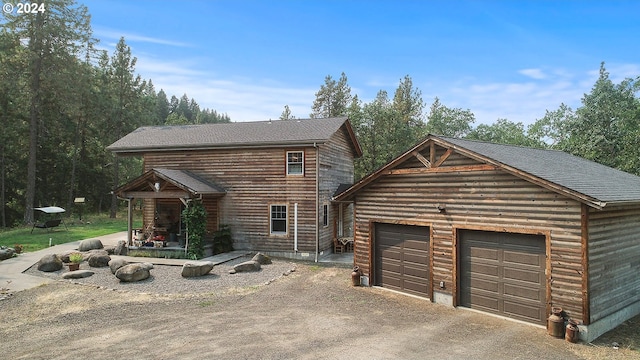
295 163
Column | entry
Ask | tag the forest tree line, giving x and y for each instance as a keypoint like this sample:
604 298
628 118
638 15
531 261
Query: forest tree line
605 128
62 102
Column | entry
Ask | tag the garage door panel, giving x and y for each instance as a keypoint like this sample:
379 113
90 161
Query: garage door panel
402 258
522 312
416 258
415 286
392 266
391 281
526 293
521 258
478 252
485 269
503 273
526 275
484 302
416 244
392 253
415 271
484 284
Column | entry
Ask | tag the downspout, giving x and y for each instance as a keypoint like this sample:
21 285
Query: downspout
295 228
317 199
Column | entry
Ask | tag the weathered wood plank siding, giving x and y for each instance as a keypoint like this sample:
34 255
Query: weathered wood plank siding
336 167
254 179
614 259
484 200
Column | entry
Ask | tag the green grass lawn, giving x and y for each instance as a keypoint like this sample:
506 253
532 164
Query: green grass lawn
91 226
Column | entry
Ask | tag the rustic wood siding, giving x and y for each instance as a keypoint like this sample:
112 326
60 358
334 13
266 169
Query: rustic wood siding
614 259
254 179
483 200
211 206
336 167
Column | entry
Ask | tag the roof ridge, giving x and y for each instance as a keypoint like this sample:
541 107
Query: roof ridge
341 118
502 144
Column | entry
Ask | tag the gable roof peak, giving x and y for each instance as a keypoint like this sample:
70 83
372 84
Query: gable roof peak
589 182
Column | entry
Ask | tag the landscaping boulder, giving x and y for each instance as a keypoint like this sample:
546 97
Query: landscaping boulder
78 274
116 264
99 259
50 263
121 248
110 249
134 272
246 266
6 253
65 256
262 259
196 268
90 244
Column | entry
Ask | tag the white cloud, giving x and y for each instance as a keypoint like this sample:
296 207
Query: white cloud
519 101
242 98
537 74
249 99
104 33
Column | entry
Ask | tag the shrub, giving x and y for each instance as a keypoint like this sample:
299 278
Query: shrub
75 258
195 217
222 241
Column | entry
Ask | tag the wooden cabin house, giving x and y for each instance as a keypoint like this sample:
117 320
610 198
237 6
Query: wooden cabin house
270 181
506 230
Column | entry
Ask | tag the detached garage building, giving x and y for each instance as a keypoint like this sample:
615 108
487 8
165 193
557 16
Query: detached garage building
502 229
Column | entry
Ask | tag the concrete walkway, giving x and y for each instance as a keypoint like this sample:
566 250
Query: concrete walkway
12 277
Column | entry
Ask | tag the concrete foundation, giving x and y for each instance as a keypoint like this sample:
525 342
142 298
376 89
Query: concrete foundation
442 298
590 332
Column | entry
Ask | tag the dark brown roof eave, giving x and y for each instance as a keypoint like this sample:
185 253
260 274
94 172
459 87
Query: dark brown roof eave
139 150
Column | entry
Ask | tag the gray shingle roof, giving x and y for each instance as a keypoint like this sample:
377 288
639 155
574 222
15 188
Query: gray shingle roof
239 134
587 181
190 181
599 182
183 179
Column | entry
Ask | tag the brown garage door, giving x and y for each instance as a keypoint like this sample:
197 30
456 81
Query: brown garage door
402 258
503 273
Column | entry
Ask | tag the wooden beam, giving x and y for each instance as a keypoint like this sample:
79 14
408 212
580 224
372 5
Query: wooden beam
422 159
467 168
155 195
152 185
129 222
444 157
432 152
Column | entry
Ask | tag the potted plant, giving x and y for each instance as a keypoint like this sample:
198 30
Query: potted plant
75 260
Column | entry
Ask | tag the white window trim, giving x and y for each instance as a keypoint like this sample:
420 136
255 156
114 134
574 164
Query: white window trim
287 162
286 220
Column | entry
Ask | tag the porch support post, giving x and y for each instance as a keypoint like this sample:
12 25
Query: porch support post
129 222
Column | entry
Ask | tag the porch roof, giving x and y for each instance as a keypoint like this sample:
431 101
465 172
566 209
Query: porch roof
188 184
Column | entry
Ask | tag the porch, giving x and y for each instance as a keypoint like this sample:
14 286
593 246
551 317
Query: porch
164 194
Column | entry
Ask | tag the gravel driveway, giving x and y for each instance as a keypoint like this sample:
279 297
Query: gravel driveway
168 280
313 313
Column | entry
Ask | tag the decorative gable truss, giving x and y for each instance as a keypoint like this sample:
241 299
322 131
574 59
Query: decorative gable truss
434 158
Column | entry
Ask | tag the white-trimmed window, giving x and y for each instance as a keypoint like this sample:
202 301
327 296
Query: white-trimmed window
278 219
295 162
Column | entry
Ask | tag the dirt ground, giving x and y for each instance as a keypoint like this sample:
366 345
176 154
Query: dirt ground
313 313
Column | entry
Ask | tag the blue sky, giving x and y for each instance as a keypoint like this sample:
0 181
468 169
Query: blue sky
499 59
